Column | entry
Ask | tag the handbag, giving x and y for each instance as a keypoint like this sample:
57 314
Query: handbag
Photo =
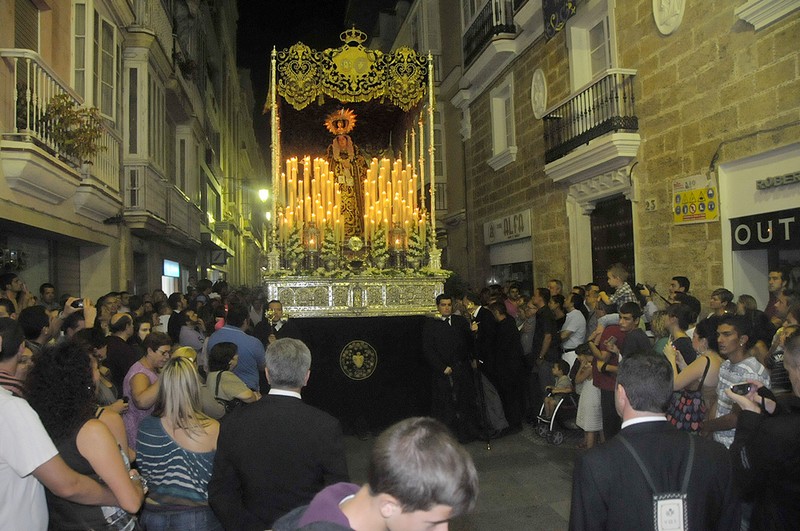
686 410
229 405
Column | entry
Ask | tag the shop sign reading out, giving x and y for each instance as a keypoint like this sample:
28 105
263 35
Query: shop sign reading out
764 231
513 227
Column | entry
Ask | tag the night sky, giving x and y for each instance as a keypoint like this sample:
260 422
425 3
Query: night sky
317 23
267 23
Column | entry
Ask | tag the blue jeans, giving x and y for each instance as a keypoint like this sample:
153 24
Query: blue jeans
195 518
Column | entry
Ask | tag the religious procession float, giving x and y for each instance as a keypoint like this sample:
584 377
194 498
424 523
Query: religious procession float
353 233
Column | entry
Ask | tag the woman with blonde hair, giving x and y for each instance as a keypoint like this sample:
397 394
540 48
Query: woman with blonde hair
658 325
746 303
176 447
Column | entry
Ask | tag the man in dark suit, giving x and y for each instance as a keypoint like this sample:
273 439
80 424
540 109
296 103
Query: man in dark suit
484 331
448 349
275 327
510 366
610 488
277 453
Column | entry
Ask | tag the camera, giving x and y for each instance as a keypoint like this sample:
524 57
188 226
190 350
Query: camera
77 304
741 388
644 285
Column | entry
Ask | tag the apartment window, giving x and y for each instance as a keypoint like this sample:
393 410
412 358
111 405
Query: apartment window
591 42
469 9
96 61
438 147
504 145
80 50
156 123
599 48
106 78
133 188
182 164
133 111
441 196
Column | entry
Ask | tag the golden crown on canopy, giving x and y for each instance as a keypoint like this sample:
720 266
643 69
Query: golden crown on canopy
353 36
341 122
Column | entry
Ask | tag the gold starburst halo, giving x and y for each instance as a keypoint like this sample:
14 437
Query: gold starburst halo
341 122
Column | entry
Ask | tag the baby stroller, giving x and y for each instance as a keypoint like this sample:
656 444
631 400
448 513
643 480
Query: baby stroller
563 419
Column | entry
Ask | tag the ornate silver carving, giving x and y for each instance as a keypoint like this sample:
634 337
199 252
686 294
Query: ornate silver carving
362 296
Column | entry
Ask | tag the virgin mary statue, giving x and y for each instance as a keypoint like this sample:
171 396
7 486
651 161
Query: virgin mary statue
349 169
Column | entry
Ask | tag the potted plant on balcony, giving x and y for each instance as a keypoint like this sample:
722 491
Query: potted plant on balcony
74 130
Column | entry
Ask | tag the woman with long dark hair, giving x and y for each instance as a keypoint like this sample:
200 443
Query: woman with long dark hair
61 390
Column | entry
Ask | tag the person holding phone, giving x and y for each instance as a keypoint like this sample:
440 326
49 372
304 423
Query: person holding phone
767 462
733 338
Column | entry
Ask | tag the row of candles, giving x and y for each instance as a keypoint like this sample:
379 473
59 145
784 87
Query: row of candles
308 193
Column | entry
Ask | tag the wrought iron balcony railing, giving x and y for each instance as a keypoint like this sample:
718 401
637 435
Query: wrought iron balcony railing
603 106
496 17
35 85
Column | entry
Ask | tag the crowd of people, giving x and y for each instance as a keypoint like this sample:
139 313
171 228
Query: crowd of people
132 408
128 414
490 377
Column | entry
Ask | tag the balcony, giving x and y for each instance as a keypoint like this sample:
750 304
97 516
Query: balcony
502 30
152 18
145 200
183 218
594 131
33 162
493 21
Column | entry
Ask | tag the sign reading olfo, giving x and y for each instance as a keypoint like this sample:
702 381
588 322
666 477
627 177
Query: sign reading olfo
779 230
694 200
512 227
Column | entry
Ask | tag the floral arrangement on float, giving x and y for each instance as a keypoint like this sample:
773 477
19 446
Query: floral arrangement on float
389 254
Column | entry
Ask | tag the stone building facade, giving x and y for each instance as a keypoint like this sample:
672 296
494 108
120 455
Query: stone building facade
716 90
172 191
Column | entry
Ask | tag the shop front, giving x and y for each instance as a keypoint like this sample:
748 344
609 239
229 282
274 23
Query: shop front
759 198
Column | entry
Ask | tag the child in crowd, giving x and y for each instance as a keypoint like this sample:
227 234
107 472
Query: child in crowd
563 386
590 416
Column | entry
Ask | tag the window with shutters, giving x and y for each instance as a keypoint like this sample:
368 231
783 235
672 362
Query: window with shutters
26 25
504 144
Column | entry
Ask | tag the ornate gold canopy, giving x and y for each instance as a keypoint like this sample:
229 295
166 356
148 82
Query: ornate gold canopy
351 73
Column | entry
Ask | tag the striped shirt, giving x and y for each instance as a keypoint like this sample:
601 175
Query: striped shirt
15 386
175 476
734 373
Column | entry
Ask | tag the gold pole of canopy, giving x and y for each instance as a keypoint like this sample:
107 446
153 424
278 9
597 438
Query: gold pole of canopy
435 253
273 259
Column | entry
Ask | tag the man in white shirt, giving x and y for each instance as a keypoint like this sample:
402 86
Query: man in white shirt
28 458
573 332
